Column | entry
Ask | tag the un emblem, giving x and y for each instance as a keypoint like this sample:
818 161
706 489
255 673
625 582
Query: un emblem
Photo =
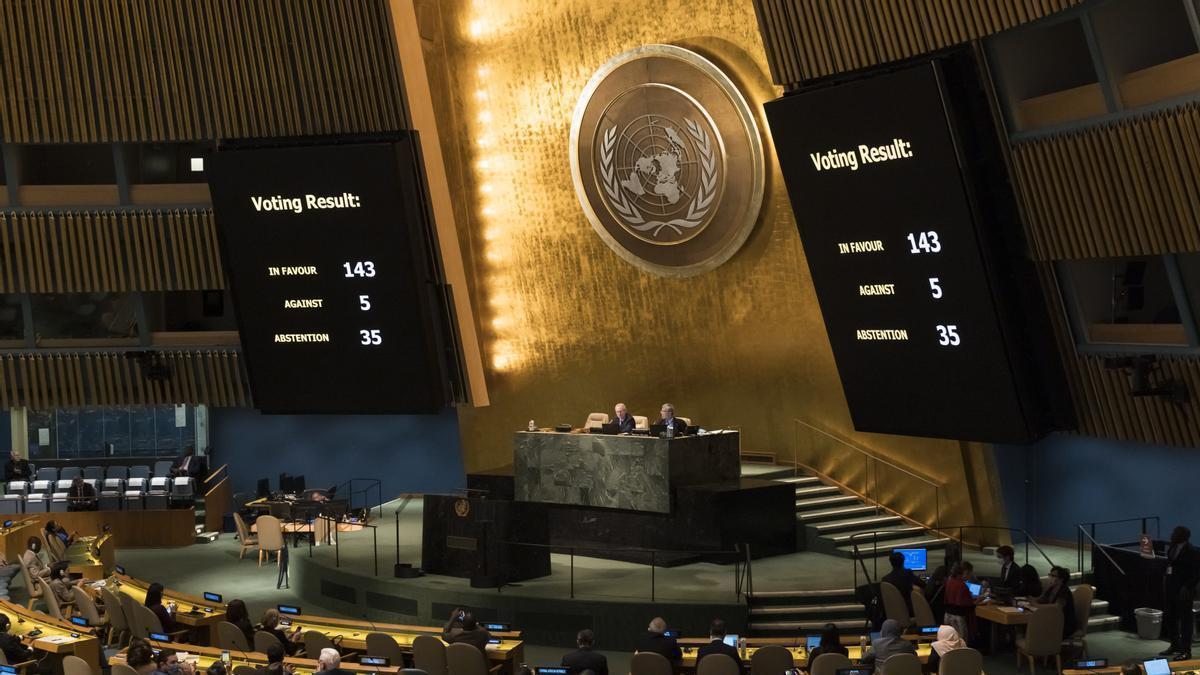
667 160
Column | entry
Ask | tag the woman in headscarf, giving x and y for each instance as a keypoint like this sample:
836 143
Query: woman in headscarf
948 640
888 645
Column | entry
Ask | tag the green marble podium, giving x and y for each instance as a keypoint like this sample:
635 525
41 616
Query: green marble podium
636 473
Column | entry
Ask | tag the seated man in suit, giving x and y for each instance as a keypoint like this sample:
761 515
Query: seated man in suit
189 464
462 627
654 640
1010 572
81 496
677 425
583 658
17 468
716 633
623 419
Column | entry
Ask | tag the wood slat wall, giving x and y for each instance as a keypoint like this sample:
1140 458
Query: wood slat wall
806 39
151 70
65 252
40 381
1107 409
1122 189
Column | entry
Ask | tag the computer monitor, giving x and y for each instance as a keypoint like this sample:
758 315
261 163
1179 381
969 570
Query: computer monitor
379 661
288 609
497 627
814 641
80 621
915 559
671 634
160 637
875 636
928 630
1157 667
118 569
974 588
658 429
731 640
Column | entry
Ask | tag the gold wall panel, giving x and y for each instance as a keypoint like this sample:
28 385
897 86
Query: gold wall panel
74 379
1122 189
569 328
806 39
83 251
143 70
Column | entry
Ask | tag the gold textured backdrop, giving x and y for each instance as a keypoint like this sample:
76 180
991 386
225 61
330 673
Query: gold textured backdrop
568 327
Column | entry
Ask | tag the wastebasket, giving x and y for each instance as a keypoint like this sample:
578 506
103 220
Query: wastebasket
1149 622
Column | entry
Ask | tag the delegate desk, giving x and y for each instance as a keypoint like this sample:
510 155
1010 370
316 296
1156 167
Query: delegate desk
1003 615
57 637
14 539
635 473
1190 667
191 612
510 652
92 558
204 657
799 655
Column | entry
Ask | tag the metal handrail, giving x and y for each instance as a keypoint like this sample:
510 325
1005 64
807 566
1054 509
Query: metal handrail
870 454
867 480
1097 545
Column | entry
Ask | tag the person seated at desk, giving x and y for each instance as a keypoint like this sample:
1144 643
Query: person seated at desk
1010 573
33 561
624 421
655 640
886 646
960 606
237 614
583 658
60 582
1031 582
53 529
667 413
716 635
903 579
1059 593
462 627
17 468
330 663
831 643
188 464
948 640
935 593
154 602
167 663
81 496
14 650
275 664
140 656
270 624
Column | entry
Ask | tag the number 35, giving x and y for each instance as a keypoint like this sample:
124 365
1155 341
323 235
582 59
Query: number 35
370 337
948 335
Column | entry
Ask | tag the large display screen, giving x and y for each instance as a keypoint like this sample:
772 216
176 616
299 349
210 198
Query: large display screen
328 253
909 285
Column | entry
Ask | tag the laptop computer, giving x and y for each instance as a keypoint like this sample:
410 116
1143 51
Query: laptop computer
611 429
975 589
1157 667
658 429
814 641
731 640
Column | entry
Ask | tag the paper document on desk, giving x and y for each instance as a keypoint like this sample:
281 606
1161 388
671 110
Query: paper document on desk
1010 610
58 639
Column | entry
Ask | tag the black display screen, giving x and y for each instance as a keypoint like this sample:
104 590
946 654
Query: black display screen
328 255
906 278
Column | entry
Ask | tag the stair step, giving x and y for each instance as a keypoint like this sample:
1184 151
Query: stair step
808 517
800 480
871 522
867 536
836 500
816 491
820 610
1104 622
1099 607
823 593
869 551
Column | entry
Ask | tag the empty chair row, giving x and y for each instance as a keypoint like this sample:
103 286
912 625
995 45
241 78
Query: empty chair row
112 494
162 469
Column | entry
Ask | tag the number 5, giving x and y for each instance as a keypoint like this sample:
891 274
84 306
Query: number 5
364 302
934 288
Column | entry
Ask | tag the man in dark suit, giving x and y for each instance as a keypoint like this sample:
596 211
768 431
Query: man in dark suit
902 579
17 468
623 419
81 496
667 413
654 640
716 633
1010 573
462 627
1182 573
583 658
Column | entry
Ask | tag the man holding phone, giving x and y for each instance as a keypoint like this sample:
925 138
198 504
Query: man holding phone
462 627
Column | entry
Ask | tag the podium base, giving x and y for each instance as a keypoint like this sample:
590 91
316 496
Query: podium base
485 581
407 571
